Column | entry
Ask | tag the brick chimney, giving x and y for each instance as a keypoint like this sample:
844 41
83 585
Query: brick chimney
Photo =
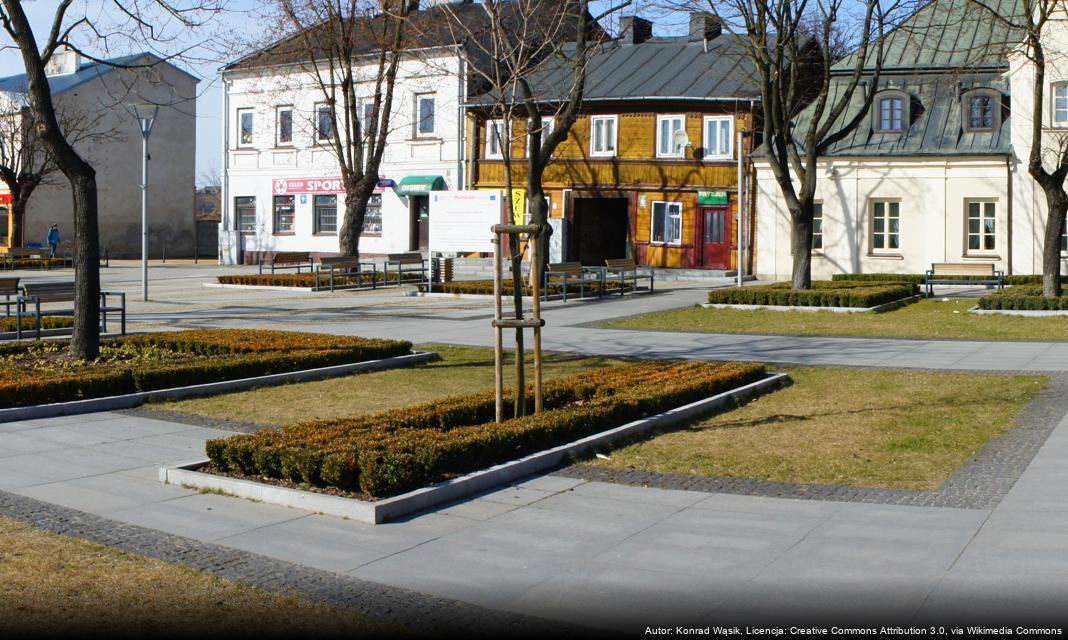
635 30
704 26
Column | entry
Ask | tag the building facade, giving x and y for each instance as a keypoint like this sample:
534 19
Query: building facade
650 169
101 94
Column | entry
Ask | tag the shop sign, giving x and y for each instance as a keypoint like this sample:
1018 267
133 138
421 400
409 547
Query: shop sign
713 197
5 198
283 186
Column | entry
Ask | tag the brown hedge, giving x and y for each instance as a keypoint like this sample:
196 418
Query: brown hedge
307 280
221 354
29 324
397 450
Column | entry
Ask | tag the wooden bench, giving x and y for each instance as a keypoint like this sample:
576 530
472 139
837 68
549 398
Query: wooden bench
345 267
962 273
287 260
36 294
31 254
410 262
626 270
572 273
10 287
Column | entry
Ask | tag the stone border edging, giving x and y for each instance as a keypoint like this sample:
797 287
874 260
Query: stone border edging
423 498
29 334
1024 313
257 287
126 401
778 307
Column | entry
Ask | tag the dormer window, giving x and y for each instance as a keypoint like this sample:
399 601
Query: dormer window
891 112
981 110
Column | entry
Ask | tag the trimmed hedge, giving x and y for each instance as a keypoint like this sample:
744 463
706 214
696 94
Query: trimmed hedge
215 355
485 287
914 278
838 293
29 324
33 263
1023 298
307 280
397 450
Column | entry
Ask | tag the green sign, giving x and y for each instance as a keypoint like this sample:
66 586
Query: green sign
713 197
419 185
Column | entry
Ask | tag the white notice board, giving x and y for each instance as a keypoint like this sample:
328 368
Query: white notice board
461 221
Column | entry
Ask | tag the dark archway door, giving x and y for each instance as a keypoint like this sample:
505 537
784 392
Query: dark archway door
600 230
715 233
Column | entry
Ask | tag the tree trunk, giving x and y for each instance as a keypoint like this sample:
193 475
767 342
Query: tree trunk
85 343
1057 207
539 215
801 243
18 220
352 224
520 351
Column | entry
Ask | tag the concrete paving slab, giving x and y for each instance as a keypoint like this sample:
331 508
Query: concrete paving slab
639 494
516 496
207 517
104 494
1018 542
16 443
996 599
550 483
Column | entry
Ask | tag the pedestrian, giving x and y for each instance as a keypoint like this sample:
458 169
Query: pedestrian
53 240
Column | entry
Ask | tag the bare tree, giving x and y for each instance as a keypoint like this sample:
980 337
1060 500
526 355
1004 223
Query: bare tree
1047 161
137 21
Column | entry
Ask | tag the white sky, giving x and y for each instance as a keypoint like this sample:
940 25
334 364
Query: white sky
241 22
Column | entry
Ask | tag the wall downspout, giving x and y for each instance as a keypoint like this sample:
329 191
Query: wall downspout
461 141
1008 209
224 188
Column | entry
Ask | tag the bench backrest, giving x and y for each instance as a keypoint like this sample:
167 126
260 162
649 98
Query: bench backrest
621 264
9 286
955 269
339 261
24 252
291 257
51 291
404 258
570 268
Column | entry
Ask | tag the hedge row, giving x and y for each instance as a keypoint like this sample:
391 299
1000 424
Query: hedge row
34 263
839 293
914 278
307 280
1023 298
29 324
220 354
401 449
485 287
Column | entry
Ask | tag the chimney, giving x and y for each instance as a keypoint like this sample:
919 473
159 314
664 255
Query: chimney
64 61
704 26
635 30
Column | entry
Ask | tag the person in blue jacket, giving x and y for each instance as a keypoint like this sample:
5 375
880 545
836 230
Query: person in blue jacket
53 240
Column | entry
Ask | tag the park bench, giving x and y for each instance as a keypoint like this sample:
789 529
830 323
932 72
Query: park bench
572 273
962 273
36 294
287 260
626 270
402 263
345 267
10 287
29 254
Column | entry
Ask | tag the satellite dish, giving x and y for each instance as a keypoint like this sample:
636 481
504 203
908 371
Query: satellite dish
681 139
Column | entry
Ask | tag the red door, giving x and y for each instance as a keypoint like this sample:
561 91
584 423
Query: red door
715 224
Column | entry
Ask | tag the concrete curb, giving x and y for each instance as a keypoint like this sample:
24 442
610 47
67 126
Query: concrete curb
771 307
420 499
1043 313
29 334
112 403
257 287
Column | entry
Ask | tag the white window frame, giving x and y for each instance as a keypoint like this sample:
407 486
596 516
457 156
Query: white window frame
319 139
316 222
995 110
982 234
707 141
905 111
607 152
241 113
496 128
374 202
818 207
275 218
548 125
419 97
668 206
238 222
886 232
278 142
660 119
1054 87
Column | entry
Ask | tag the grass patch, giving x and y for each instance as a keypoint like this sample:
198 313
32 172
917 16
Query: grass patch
933 319
865 428
461 370
52 585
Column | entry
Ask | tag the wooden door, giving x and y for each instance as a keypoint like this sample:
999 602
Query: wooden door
715 225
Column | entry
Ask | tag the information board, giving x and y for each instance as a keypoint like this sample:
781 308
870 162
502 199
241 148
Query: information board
460 221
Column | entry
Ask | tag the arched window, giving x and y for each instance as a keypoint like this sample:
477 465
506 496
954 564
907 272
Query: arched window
981 110
891 112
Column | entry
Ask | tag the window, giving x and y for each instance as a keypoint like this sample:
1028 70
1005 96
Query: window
667 223
245 213
1060 104
372 219
367 112
326 214
891 112
245 122
324 123
666 129
284 207
817 226
603 135
547 127
719 137
496 137
982 226
283 126
981 110
424 111
885 226
1064 238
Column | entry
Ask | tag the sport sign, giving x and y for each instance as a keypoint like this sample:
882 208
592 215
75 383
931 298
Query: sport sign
283 186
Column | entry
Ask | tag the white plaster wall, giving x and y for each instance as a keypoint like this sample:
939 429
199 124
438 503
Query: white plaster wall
932 195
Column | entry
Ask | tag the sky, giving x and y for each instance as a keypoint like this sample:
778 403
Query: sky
243 21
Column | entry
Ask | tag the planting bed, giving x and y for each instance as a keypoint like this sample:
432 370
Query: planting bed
376 456
308 280
824 293
485 287
1023 298
44 372
9 324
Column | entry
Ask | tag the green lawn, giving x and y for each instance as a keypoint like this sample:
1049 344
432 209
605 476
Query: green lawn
934 319
461 370
868 428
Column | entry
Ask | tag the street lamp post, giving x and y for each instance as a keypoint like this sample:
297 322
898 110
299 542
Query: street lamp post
146 117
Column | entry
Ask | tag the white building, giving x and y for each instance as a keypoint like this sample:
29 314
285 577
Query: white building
282 188
935 173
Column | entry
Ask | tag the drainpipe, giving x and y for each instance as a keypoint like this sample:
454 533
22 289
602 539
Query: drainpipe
461 141
224 188
741 208
1008 209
